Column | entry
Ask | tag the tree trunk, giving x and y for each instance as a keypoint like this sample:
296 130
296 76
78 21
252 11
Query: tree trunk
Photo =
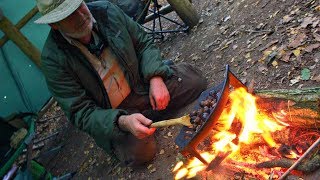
185 11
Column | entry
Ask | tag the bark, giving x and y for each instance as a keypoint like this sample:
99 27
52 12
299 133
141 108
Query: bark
301 106
185 11
309 165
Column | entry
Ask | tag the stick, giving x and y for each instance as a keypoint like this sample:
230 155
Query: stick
217 160
306 166
315 144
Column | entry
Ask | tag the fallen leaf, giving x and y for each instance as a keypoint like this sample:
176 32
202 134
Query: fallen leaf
227 18
296 52
169 134
316 36
234 47
296 11
262 68
195 58
316 78
248 55
294 81
298 40
150 166
207 46
311 47
305 74
315 23
274 63
286 57
306 21
153 170
260 26
312 67
267 53
200 20
286 19
161 151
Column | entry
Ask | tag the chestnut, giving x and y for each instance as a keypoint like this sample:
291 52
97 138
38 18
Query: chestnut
202 103
192 118
206 109
198 128
193 113
205 115
197 120
213 104
200 111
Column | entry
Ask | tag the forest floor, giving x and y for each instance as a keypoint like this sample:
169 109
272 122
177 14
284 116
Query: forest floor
275 43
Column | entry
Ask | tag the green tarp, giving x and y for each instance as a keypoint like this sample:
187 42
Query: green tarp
23 88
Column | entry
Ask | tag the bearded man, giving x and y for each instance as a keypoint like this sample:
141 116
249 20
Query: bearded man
108 77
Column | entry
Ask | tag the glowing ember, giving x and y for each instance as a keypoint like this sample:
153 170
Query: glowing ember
241 110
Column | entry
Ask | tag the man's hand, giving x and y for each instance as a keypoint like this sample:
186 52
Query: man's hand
136 124
158 94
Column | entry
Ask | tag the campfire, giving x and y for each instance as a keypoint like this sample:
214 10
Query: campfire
249 135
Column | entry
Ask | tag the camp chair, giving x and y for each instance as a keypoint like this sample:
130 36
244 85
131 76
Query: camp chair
143 11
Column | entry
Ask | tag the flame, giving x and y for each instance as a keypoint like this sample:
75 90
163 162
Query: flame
241 110
292 155
193 167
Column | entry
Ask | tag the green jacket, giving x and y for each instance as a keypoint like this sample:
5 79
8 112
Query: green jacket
76 85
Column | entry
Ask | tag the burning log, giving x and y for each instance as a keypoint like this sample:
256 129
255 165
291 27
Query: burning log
306 166
217 160
312 147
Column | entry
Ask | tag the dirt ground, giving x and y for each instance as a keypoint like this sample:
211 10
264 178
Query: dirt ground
274 43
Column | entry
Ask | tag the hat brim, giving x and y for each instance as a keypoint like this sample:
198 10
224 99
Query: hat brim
59 13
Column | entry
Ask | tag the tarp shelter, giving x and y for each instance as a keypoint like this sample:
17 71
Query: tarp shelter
23 87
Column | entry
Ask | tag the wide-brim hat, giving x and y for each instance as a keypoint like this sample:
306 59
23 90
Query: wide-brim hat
56 10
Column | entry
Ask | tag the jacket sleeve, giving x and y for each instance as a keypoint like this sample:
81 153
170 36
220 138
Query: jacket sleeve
79 108
148 53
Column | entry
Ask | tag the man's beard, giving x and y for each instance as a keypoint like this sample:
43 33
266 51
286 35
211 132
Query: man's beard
81 33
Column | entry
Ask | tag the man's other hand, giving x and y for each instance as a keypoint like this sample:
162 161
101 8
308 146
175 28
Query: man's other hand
137 124
158 94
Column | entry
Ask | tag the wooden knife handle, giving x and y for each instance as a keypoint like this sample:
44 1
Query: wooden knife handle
166 123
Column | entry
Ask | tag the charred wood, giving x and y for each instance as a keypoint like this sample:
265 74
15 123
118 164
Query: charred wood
306 166
217 160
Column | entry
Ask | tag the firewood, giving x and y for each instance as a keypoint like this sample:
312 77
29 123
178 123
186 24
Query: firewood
298 95
306 166
217 160
301 106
